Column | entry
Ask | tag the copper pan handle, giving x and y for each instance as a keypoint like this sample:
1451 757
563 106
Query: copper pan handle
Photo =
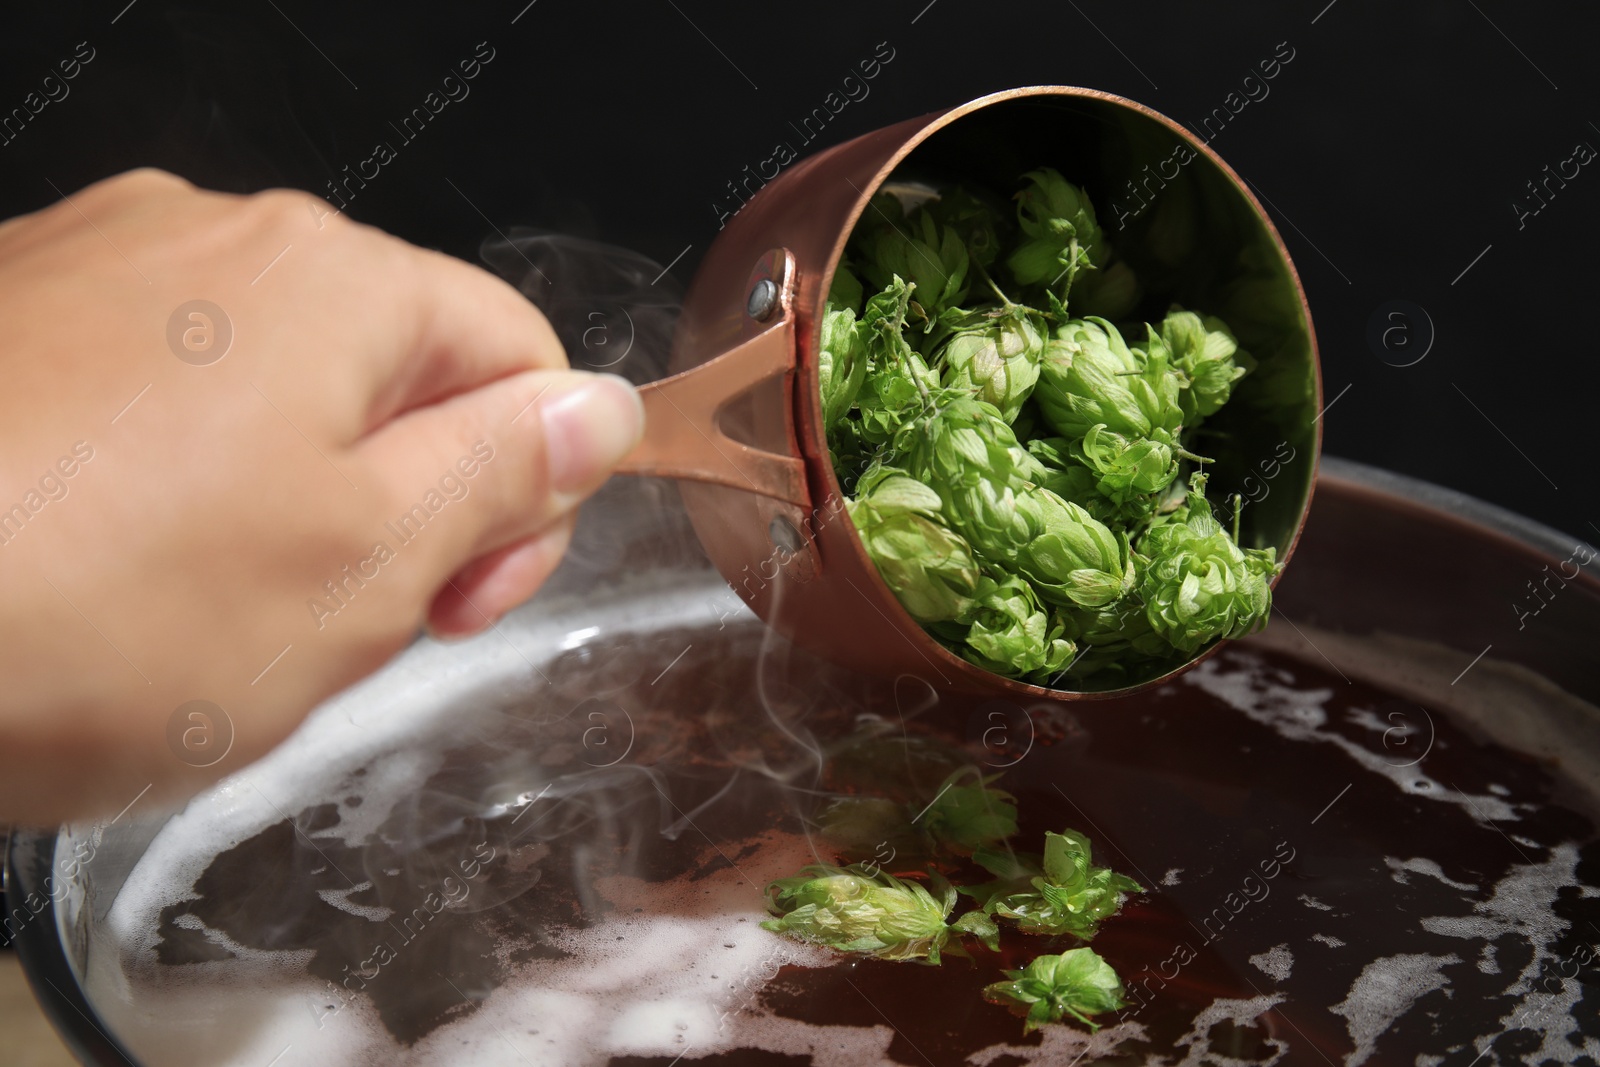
682 435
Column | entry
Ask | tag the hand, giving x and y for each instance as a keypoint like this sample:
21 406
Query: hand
389 437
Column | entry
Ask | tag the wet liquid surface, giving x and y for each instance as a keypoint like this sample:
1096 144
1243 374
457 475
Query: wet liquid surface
1332 874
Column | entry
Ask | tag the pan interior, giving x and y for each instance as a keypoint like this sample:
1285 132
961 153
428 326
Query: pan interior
548 846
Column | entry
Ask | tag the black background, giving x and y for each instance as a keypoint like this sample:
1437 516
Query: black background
1390 150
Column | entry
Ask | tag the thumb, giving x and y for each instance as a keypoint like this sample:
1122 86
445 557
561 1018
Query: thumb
494 467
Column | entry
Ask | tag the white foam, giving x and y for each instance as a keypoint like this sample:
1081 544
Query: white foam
1312 902
1276 963
1422 865
1522 906
1059 1045
1239 1012
1385 990
681 978
1269 697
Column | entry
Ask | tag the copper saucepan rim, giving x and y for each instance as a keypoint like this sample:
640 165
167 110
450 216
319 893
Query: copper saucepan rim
810 386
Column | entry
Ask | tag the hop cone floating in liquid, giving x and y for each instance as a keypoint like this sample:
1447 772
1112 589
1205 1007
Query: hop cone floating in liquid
1077 983
852 909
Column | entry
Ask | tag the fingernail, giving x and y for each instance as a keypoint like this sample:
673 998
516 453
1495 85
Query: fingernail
589 429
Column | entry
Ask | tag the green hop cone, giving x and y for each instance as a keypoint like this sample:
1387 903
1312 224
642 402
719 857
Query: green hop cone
856 909
928 566
1062 892
965 450
1207 358
1069 479
966 816
841 362
1007 632
1089 376
1128 473
845 289
930 257
1197 584
1070 557
1115 637
1111 293
898 387
977 222
994 355
875 830
1062 237
1076 983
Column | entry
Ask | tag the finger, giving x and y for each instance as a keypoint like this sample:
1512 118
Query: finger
469 329
484 590
472 474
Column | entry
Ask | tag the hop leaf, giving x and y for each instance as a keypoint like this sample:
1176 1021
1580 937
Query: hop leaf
994 355
1197 584
898 384
852 909
1076 983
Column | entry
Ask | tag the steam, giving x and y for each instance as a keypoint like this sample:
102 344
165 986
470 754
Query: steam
426 840
615 311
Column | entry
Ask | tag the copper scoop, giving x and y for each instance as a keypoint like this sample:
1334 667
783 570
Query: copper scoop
741 420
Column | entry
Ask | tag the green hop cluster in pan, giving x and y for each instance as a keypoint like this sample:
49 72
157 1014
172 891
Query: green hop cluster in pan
912 847
1021 469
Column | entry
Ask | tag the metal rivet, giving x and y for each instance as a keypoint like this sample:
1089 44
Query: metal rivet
783 534
763 299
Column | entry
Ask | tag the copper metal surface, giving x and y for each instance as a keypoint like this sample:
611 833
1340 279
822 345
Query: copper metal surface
684 437
771 542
